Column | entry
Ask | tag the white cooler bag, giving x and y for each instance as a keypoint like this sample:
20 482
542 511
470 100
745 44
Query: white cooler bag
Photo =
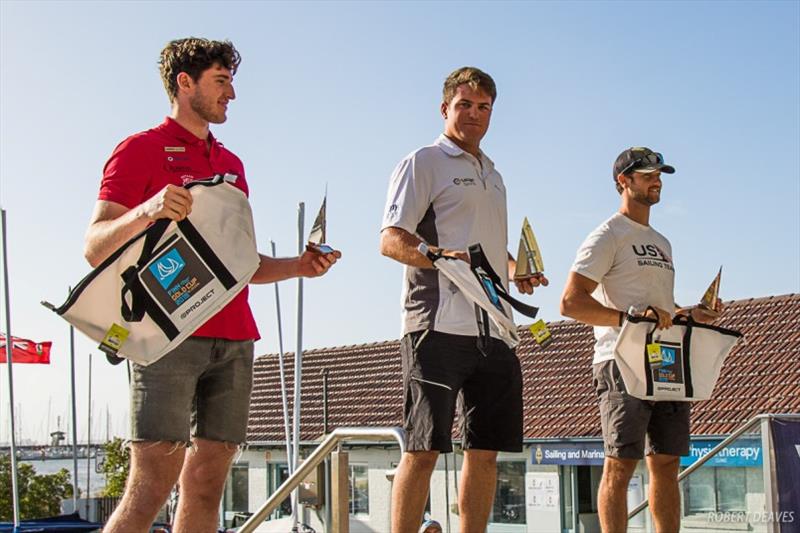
166 282
682 362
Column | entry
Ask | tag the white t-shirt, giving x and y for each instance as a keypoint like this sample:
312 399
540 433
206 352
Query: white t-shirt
632 265
449 199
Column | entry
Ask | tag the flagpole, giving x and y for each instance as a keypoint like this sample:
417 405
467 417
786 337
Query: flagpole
286 429
298 366
9 349
89 440
74 419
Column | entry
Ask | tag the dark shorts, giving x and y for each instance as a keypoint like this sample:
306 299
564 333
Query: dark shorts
634 427
439 366
200 389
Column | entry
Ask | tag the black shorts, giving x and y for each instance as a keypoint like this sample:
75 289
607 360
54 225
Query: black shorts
632 427
436 368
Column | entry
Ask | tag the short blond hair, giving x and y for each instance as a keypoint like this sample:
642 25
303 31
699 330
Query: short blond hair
474 77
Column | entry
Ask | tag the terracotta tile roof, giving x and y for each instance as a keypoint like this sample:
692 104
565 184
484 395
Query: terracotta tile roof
761 375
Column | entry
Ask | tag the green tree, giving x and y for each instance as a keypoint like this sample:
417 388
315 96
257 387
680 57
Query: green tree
115 466
40 495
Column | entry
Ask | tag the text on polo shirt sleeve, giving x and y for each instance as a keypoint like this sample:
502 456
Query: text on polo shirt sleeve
595 256
126 174
408 198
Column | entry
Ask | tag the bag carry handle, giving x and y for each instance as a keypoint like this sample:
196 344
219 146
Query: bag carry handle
135 311
478 259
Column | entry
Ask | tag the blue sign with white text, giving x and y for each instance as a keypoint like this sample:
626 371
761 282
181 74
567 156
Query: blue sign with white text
568 453
741 452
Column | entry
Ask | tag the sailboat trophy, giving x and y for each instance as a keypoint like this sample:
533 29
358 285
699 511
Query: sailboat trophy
529 258
530 265
316 239
710 298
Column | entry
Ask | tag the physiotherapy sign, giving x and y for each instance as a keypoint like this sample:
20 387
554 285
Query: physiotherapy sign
742 453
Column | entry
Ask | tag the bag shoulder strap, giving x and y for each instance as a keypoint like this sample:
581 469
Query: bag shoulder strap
478 260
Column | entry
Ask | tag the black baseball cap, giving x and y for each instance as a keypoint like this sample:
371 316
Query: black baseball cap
640 159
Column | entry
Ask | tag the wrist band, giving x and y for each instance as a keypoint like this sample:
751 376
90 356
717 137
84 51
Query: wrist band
621 318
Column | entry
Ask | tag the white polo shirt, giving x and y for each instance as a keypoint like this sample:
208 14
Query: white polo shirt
449 199
632 265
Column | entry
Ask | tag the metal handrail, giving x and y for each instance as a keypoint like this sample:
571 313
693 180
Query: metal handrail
715 450
317 456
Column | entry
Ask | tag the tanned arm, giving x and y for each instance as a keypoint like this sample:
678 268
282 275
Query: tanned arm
400 245
578 303
113 224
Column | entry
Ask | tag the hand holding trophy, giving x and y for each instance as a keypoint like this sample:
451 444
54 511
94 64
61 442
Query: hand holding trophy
318 257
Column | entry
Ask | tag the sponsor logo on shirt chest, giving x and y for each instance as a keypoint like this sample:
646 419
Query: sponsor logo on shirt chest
652 255
465 182
180 164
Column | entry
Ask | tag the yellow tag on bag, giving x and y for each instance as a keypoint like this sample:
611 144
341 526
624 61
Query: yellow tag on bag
654 354
114 339
540 333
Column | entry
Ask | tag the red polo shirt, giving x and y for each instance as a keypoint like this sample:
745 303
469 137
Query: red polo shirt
145 163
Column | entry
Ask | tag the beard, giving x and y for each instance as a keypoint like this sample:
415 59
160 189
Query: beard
646 198
207 109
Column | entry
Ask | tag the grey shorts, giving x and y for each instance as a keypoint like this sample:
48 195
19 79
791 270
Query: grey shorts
634 427
443 371
200 389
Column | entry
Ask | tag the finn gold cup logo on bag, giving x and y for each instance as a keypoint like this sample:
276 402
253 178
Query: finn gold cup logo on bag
666 363
168 267
175 275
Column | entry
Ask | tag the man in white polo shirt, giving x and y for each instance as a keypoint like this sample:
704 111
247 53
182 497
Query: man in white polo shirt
625 265
449 196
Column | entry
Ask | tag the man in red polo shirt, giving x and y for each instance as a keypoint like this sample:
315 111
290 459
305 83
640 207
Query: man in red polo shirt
200 392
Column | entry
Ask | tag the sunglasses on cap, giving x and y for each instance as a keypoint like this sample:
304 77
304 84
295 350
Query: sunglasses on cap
643 159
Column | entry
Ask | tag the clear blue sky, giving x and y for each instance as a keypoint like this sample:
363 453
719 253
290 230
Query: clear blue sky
338 92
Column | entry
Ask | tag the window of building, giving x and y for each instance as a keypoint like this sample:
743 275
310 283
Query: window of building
567 511
712 489
359 489
731 489
236 490
509 497
277 473
588 482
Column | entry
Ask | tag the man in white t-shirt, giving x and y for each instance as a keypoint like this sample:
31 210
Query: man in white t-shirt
449 196
625 265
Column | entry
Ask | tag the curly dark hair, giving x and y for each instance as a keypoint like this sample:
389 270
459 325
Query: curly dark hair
194 55
474 77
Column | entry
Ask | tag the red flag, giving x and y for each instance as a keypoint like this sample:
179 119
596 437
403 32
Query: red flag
25 351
